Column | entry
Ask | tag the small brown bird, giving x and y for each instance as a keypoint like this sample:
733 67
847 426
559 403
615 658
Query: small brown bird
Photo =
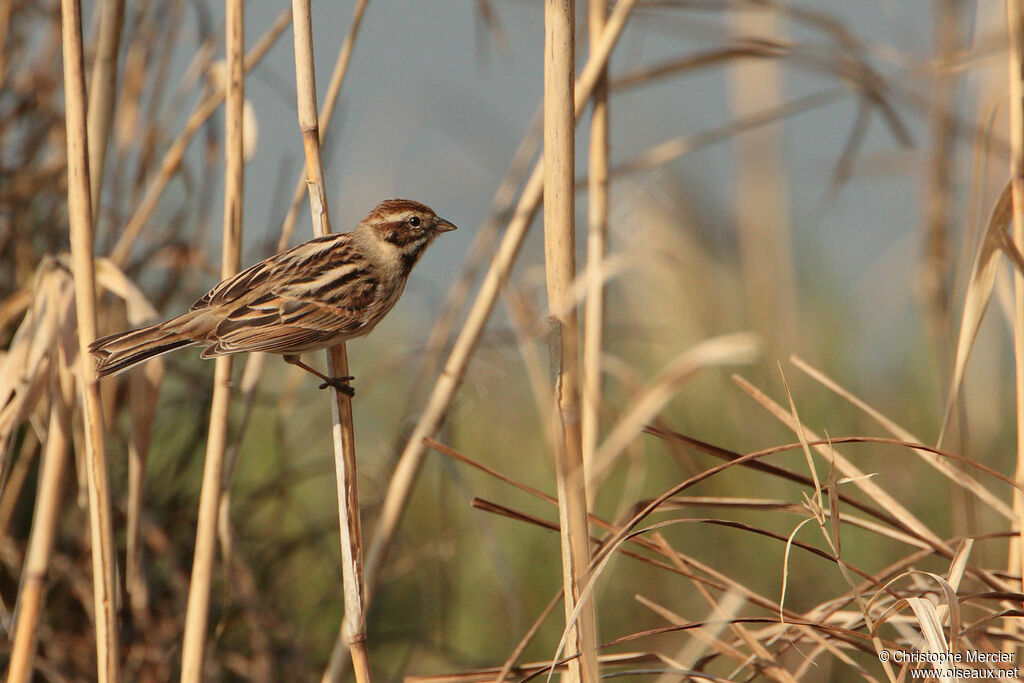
320 293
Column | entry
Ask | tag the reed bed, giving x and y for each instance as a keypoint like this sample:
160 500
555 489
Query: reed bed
672 463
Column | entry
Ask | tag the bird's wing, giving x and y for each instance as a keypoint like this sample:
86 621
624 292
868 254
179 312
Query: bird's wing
259 278
301 299
290 320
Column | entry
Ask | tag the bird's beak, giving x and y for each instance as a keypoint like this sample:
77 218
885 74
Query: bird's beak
444 226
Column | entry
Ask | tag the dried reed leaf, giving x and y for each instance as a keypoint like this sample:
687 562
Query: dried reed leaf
881 496
959 563
112 278
979 290
956 476
931 625
785 566
815 505
928 620
24 369
708 634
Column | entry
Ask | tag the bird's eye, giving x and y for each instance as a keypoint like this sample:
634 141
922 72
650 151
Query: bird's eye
415 221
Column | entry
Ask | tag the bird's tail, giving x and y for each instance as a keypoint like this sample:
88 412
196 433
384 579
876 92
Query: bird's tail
118 352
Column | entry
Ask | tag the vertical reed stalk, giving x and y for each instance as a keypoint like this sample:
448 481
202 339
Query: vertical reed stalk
44 525
354 621
197 612
80 219
938 222
101 94
560 264
1015 26
938 190
761 190
597 245
326 113
400 486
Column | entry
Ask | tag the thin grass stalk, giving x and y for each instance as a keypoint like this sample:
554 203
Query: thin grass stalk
938 206
143 392
101 94
158 67
14 479
1015 26
400 486
176 151
938 190
597 245
343 432
560 265
80 219
197 611
44 525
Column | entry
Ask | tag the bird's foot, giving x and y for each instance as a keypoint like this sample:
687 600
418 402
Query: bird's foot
340 384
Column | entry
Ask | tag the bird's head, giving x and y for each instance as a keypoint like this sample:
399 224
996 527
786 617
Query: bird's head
400 230
405 223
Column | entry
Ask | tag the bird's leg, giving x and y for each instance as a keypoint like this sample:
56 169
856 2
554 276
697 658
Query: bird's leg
337 383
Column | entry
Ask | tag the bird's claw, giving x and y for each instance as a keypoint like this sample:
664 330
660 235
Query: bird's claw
340 384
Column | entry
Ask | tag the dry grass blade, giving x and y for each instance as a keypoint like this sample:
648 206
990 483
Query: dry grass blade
930 619
815 503
848 469
21 376
719 581
101 94
517 651
670 150
979 290
80 218
726 350
955 476
875 512
197 613
708 635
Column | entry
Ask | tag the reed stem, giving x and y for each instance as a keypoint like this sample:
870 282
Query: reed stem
81 225
560 265
343 432
1015 27
197 611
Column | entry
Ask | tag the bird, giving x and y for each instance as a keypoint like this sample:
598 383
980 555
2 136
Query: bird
315 295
